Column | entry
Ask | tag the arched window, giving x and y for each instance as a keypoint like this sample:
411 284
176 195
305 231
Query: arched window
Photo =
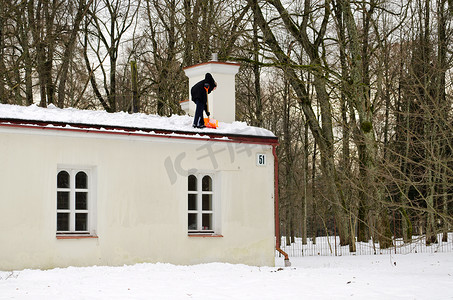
73 202
201 204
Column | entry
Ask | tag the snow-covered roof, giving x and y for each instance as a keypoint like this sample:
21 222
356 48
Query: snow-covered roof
96 119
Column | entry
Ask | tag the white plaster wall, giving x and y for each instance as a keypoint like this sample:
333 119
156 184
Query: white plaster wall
141 201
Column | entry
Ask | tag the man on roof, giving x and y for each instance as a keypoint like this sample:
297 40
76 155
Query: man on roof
199 94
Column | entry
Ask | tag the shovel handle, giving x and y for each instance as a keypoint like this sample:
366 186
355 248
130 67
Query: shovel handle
207 100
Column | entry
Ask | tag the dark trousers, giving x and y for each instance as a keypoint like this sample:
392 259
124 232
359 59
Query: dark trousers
198 119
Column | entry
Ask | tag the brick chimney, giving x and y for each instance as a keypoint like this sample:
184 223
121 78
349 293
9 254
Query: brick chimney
222 101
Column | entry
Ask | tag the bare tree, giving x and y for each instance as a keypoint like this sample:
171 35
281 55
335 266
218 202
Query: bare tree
109 21
161 62
322 131
81 12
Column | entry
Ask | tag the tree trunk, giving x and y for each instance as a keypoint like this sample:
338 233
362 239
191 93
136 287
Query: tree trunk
28 74
112 94
69 49
345 161
314 224
41 59
134 75
49 44
289 162
443 112
258 120
305 182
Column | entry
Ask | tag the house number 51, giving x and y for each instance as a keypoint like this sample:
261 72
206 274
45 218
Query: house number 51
261 159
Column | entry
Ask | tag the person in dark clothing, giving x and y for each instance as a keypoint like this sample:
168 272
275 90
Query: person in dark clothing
199 94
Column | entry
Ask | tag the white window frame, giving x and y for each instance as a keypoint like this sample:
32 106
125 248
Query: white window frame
199 211
90 210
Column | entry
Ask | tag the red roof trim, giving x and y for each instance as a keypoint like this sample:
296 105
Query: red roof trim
142 132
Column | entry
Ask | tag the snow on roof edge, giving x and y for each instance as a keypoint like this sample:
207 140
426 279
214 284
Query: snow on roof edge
175 123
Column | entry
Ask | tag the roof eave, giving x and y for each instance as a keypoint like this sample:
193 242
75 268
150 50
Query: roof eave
122 130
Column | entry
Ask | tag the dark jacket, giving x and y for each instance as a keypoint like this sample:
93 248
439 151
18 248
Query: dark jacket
198 91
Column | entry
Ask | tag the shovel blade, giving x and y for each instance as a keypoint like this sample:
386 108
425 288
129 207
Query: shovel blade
211 123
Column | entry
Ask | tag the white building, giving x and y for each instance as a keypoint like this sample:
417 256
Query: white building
83 188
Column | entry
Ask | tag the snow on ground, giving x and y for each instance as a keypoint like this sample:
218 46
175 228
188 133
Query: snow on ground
124 119
413 276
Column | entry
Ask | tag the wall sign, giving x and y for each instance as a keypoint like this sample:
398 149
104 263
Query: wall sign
260 159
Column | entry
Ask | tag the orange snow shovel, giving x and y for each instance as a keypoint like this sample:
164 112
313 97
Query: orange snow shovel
208 122
211 123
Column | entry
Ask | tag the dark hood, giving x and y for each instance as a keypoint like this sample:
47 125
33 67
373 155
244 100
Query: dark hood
210 80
